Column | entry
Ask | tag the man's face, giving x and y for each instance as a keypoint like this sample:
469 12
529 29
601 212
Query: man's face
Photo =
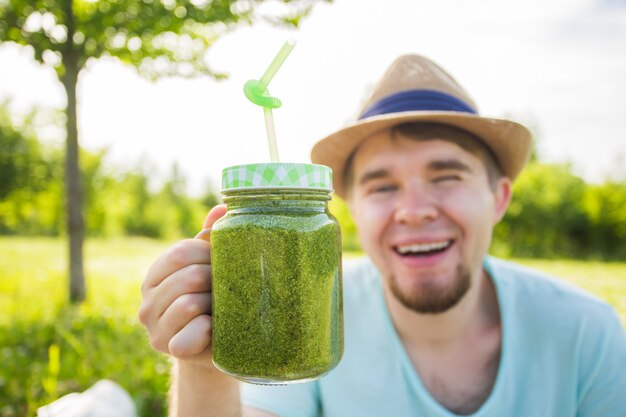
425 212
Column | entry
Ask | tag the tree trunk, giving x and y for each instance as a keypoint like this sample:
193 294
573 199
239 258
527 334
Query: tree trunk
73 186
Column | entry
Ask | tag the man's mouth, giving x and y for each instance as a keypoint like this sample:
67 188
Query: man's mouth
423 249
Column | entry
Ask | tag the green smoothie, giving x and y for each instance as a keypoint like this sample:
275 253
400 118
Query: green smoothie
277 292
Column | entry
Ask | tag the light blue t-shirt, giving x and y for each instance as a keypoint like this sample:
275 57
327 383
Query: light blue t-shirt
563 355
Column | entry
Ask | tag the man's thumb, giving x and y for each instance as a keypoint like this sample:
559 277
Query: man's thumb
214 214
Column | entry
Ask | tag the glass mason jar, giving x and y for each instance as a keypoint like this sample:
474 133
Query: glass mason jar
276 264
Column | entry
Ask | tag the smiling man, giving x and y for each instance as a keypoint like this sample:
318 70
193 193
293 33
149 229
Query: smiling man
426 210
433 325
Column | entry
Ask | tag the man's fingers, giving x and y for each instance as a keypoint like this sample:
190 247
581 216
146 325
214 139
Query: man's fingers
214 215
182 311
184 253
191 279
176 296
192 339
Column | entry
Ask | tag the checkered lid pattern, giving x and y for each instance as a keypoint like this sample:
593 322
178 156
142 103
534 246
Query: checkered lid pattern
277 175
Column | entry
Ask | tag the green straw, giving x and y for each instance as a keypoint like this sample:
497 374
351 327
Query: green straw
276 63
257 92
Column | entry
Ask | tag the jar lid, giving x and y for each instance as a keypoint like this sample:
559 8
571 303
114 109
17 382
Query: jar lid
277 175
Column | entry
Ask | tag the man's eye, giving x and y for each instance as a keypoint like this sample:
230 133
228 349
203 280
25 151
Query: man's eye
384 188
446 178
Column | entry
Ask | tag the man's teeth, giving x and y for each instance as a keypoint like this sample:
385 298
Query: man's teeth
423 247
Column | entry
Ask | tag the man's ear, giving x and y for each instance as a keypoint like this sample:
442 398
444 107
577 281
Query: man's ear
502 197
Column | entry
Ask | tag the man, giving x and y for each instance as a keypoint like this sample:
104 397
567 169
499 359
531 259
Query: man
433 326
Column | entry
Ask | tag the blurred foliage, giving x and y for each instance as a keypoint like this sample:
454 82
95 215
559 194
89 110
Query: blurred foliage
349 233
30 180
20 156
158 37
554 213
116 203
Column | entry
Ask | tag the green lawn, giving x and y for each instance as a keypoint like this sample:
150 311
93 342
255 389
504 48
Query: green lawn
606 280
100 339
48 349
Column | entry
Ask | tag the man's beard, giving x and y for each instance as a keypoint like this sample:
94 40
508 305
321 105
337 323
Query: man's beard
431 298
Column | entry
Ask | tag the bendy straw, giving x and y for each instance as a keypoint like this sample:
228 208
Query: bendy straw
256 91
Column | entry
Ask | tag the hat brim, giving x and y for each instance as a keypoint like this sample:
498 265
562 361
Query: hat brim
509 141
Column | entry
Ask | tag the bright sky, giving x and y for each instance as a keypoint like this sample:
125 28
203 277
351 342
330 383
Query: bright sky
558 66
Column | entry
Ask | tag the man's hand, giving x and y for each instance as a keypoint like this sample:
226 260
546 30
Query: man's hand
176 310
177 298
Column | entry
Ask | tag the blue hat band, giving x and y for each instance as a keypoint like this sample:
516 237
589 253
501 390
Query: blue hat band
417 100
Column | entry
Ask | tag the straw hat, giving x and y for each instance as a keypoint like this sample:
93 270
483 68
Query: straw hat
415 89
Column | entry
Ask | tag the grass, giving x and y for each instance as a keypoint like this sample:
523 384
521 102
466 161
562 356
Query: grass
605 280
48 349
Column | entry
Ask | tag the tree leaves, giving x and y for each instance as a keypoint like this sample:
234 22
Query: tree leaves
158 37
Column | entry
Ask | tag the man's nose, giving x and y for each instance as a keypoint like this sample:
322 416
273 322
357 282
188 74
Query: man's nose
415 207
